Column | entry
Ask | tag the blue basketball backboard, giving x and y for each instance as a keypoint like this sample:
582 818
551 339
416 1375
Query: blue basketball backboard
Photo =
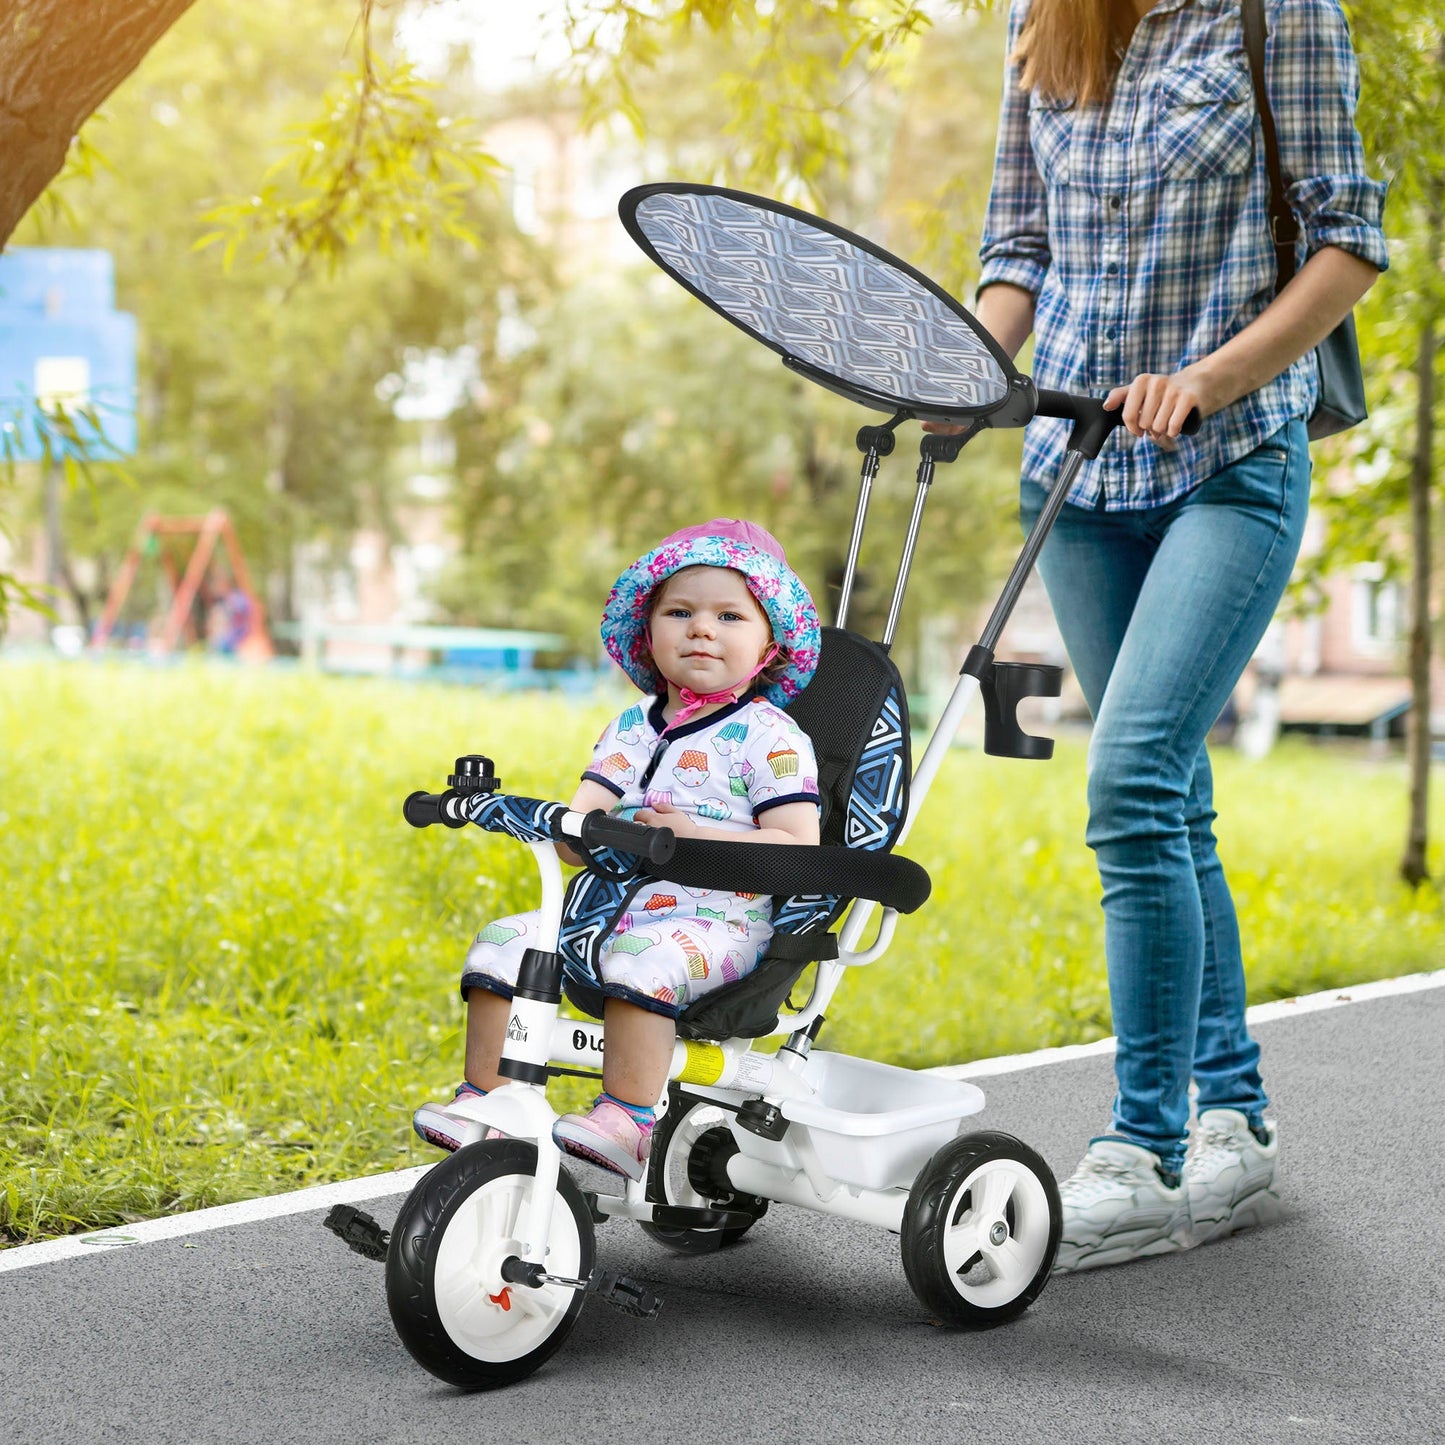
63 341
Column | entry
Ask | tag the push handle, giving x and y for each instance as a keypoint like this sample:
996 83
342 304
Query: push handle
602 830
1092 424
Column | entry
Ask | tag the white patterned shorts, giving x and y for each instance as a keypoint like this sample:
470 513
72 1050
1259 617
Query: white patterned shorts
657 958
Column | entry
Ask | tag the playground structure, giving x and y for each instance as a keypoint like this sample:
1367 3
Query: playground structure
214 572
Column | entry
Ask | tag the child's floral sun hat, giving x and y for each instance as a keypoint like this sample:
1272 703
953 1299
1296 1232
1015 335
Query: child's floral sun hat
724 542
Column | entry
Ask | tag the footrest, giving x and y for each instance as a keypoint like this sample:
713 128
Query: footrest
688 1216
629 1295
358 1231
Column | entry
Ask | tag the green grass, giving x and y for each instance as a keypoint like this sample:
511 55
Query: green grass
229 968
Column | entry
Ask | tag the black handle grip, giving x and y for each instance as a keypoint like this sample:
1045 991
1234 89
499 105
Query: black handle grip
602 830
1092 424
421 810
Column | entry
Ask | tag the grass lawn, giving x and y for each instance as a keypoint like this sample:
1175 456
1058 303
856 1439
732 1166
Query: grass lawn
229 968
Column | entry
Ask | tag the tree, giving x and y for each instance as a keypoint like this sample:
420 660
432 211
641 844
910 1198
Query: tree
258 388
378 160
1402 119
58 63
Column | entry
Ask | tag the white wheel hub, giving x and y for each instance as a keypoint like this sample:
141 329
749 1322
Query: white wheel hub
481 1312
991 1259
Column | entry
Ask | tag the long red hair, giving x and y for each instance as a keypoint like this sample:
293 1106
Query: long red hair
1070 49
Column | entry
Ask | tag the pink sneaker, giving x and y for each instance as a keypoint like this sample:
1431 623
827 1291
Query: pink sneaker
438 1124
608 1136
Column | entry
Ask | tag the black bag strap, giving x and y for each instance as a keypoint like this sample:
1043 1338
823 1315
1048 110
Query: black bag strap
1283 226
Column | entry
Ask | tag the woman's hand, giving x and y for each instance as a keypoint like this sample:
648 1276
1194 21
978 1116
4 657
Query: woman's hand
1156 406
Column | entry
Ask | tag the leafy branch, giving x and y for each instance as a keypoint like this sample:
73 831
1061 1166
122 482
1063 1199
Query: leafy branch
788 104
66 434
380 158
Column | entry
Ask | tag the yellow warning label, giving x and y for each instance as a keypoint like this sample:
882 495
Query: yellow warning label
704 1064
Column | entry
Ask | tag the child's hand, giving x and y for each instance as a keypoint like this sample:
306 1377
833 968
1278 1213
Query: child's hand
664 815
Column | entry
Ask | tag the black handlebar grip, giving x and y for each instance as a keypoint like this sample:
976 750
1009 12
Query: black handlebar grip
421 810
1092 424
601 830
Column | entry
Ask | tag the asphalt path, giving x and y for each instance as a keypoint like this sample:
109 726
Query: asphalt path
1329 1326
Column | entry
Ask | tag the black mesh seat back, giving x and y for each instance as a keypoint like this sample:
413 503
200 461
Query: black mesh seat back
855 712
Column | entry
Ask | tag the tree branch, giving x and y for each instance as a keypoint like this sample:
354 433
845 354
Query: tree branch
59 60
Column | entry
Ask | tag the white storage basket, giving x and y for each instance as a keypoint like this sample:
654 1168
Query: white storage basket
874 1126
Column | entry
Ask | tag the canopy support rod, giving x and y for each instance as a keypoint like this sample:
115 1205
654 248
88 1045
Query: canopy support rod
874 442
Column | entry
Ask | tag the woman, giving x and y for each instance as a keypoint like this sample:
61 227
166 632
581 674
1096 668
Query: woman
1127 229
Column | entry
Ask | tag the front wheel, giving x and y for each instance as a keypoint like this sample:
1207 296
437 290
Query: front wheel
980 1230
453 1310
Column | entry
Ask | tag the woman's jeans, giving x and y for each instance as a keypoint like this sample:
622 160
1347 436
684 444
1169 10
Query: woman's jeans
1160 611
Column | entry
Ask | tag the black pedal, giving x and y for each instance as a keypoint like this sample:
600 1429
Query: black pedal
358 1231
628 1295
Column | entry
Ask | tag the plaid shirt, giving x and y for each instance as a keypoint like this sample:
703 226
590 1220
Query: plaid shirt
1141 226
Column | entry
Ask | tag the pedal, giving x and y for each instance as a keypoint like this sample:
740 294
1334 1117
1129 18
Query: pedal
629 1295
358 1231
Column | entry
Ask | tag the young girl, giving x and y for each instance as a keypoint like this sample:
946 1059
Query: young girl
1128 230
721 633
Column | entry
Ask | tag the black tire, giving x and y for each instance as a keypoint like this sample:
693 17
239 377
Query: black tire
972 1280
689 1144
448 1303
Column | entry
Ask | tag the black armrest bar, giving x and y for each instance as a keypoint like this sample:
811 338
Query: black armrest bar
784 868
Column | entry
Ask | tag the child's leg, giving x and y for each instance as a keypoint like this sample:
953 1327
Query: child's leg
638 1058
492 964
486 1027
617 1132
488 978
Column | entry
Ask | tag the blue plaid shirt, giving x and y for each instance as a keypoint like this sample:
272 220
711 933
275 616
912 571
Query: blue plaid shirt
1141 226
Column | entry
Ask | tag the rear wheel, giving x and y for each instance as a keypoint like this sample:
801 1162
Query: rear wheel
453 1310
980 1230
690 1148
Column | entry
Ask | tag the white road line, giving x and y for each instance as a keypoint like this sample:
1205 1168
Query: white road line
1261 1013
246 1211
378 1186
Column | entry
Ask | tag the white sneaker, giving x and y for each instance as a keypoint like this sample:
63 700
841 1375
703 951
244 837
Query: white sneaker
1118 1208
1229 1176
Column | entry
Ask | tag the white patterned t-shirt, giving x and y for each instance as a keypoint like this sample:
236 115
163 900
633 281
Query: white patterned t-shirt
727 769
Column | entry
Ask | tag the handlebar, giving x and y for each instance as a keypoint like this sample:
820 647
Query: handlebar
602 830
1092 424
591 830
